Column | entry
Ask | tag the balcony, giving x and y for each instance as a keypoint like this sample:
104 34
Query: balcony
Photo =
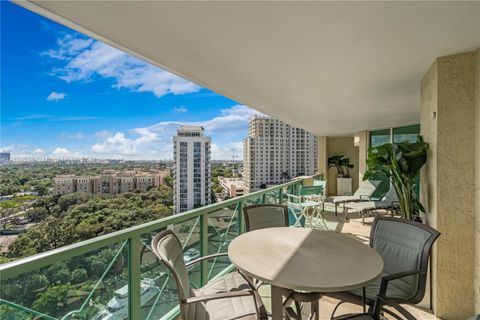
336 69
118 274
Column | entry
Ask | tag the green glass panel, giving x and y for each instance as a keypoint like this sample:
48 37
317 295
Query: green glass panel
408 133
89 286
158 287
222 229
379 137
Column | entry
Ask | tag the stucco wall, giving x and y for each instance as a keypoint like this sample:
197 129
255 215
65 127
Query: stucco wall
322 155
342 145
477 181
448 180
362 154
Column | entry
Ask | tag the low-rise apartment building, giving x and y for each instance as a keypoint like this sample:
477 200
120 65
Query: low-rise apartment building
110 182
232 187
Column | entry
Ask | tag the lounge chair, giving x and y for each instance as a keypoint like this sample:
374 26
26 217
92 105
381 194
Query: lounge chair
405 248
388 202
231 296
363 193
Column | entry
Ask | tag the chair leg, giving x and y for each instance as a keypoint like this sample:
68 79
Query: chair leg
335 309
315 310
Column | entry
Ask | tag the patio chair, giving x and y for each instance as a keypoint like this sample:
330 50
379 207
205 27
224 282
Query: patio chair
310 199
405 248
388 202
363 193
260 216
228 297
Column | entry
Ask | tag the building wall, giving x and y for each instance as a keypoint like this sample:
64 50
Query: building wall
342 145
322 155
362 154
192 169
448 181
275 152
477 183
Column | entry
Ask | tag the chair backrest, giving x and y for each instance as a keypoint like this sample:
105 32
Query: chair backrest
265 216
311 190
168 249
321 183
404 246
367 188
391 195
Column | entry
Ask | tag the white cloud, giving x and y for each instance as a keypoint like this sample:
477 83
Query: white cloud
181 109
56 96
59 151
72 136
120 145
227 151
86 58
38 151
155 141
103 134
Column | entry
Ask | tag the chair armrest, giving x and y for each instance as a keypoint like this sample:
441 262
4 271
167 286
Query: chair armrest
387 279
216 255
221 295
293 196
364 197
382 300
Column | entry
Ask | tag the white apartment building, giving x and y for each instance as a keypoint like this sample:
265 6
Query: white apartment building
191 155
275 152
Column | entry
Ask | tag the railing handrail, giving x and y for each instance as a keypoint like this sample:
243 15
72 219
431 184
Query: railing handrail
28 264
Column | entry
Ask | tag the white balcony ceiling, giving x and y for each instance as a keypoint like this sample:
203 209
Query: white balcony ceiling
330 67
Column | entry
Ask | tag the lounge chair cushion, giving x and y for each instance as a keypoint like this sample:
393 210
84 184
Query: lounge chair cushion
366 188
224 309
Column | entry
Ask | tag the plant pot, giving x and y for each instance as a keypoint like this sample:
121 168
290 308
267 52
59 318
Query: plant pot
344 186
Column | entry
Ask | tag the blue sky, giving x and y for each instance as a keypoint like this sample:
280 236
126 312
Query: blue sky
66 95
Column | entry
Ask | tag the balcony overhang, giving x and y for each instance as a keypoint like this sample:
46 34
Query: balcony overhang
329 67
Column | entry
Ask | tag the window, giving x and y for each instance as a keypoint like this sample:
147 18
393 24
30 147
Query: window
409 133
379 137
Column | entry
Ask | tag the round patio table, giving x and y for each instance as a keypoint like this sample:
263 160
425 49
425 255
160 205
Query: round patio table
304 259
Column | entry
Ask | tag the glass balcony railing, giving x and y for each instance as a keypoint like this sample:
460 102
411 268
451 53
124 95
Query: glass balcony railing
116 276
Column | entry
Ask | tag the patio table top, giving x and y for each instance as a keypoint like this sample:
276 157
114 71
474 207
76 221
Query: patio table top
305 259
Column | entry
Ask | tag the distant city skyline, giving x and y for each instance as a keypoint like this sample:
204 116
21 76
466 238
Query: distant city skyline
65 95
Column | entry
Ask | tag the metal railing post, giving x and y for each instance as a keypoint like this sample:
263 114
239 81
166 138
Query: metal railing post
280 195
241 225
204 248
134 264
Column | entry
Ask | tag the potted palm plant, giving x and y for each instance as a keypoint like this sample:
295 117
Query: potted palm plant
401 163
343 166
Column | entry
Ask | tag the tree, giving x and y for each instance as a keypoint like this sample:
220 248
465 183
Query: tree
52 300
36 213
79 276
169 181
401 163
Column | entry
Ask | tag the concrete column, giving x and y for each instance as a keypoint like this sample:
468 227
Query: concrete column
448 182
362 154
323 156
477 183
